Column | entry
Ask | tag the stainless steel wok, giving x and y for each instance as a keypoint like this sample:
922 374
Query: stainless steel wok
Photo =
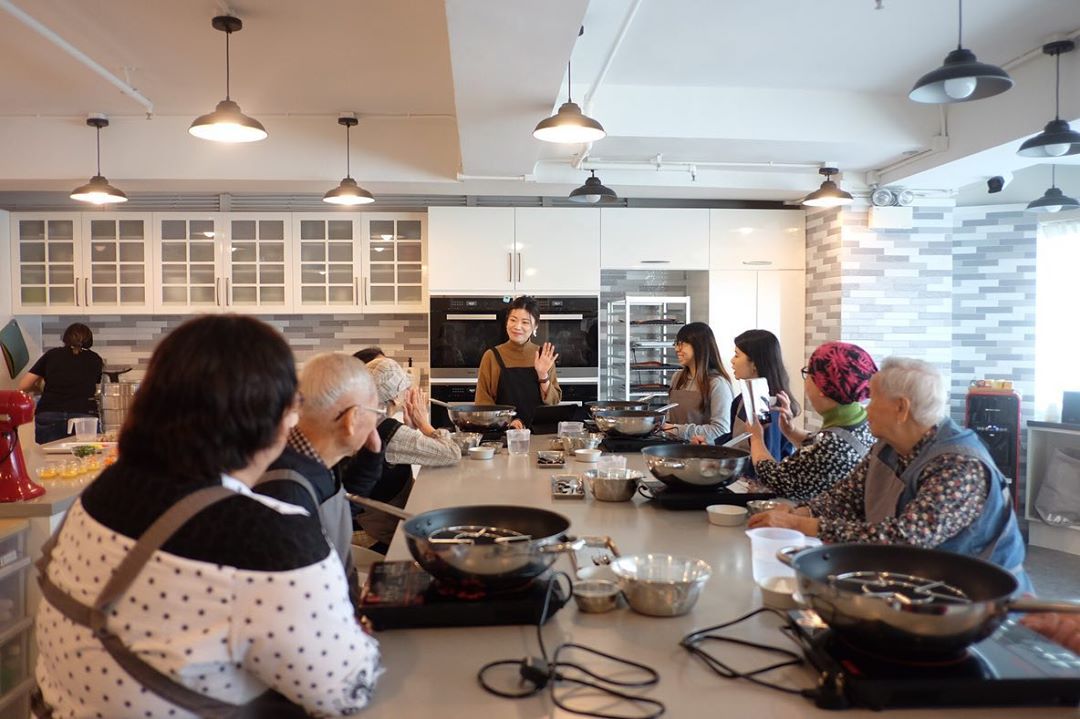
478 417
631 422
693 466
614 405
908 601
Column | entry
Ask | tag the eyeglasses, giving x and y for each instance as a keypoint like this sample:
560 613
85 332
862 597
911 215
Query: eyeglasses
342 413
805 372
677 344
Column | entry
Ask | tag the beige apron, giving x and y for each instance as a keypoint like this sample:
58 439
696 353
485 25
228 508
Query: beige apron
691 409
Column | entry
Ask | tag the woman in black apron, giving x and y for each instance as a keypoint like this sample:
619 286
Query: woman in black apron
702 388
519 372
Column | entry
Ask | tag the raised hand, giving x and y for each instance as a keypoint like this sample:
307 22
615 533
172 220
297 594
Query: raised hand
545 360
783 406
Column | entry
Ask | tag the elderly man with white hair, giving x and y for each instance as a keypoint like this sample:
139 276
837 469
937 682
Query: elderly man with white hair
927 482
338 416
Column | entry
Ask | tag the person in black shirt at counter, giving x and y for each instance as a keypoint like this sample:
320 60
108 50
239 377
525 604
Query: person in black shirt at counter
518 372
70 374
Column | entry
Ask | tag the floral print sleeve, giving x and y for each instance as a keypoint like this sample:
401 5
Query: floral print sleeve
814 468
951 495
845 499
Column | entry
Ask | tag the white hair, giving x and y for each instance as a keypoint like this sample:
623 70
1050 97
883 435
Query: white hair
328 377
917 381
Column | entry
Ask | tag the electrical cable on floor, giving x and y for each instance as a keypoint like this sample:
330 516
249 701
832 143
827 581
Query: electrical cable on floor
538 673
692 643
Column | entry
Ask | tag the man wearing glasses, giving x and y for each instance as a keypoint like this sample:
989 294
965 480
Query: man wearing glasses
337 418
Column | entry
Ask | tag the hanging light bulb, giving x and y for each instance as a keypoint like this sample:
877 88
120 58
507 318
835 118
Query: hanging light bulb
348 192
227 123
569 124
961 77
593 192
98 191
1057 139
1053 200
829 194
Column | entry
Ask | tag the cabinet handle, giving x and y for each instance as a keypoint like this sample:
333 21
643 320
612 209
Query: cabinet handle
655 262
77 303
757 263
509 266
365 295
228 287
356 290
86 291
519 267
217 293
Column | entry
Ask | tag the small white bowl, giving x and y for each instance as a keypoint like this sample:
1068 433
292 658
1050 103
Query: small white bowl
481 452
587 455
779 592
726 515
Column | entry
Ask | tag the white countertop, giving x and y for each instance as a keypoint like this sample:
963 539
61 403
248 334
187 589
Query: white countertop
432 672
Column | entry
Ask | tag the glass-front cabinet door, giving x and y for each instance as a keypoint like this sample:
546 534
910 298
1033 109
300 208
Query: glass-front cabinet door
328 268
257 252
45 256
188 272
394 253
116 262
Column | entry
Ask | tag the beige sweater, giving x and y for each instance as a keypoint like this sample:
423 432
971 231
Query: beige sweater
513 355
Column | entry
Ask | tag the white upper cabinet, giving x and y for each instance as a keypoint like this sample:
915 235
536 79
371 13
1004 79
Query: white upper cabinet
471 249
506 250
257 254
643 238
328 268
188 273
757 239
394 252
558 250
80 262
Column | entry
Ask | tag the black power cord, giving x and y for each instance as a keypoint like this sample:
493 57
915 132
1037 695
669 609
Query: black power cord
693 642
546 672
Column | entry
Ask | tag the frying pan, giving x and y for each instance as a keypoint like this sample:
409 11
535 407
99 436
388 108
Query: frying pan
863 592
478 417
694 466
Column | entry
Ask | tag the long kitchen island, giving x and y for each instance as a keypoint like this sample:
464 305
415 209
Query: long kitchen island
432 672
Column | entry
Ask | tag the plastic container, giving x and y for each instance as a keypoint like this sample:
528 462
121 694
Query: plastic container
726 515
571 429
765 542
517 441
85 428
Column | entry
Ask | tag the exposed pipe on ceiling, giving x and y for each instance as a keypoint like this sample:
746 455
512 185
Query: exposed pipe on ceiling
659 164
47 33
600 76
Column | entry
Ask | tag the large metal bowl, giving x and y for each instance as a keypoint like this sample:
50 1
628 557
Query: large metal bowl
480 417
693 466
617 485
613 405
631 422
661 585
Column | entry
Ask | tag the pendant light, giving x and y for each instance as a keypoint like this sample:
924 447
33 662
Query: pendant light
1057 139
226 123
962 77
569 124
1053 200
829 194
98 191
593 192
348 192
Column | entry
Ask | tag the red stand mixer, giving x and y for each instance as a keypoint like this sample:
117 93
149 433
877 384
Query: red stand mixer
15 484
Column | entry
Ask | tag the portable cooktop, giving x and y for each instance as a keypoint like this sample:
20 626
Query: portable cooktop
1013 667
686 499
401 595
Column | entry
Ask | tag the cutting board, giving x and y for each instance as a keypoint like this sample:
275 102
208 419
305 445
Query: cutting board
16 356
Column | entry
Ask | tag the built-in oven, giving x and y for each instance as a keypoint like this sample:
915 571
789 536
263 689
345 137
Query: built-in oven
463 328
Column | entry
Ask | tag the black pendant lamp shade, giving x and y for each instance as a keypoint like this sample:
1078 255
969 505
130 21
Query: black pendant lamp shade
829 194
227 123
569 124
98 191
962 78
593 192
1053 200
348 192
1057 139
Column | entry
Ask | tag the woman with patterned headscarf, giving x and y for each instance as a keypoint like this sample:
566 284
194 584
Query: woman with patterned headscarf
837 380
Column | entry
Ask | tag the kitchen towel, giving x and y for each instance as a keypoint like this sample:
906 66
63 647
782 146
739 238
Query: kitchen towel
16 356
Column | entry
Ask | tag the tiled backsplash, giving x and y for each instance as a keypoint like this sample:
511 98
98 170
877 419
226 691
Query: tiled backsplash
128 340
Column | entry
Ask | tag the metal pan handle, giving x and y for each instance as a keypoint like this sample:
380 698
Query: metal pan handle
570 545
1032 605
787 555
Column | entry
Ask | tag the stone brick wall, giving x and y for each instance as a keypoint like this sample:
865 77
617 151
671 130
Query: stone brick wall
128 340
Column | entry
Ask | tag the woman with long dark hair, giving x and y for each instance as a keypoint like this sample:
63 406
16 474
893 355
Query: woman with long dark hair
170 569
70 375
757 354
702 387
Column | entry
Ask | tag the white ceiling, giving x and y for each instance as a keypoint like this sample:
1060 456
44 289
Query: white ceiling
448 92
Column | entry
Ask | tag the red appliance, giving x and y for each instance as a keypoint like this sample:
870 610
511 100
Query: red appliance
994 414
15 484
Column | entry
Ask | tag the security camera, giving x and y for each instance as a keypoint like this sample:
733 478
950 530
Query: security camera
997 183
